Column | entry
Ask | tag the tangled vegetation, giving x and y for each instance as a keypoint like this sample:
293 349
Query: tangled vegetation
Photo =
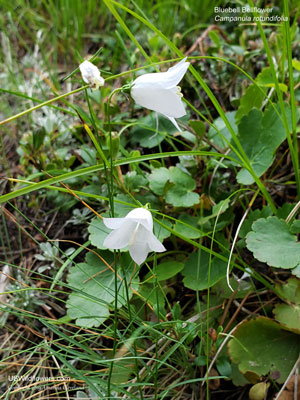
149 233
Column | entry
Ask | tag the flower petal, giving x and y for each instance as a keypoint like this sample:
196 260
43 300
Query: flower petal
142 216
120 238
166 79
138 246
91 74
179 65
113 223
154 244
139 252
157 98
144 241
149 79
176 73
174 122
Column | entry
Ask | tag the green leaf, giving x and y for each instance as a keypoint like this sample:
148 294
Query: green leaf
261 347
295 228
152 295
253 97
219 123
122 370
158 179
197 126
271 241
134 181
296 271
265 79
160 232
122 209
260 135
38 138
296 64
289 314
241 288
98 232
215 37
224 366
217 210
290 291
253 216
93 286
187 226
145 132
181 178
284 211
237 378
181 195
165 270
88 154
196 271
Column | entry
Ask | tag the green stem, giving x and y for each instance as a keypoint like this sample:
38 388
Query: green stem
96 144
111 202
5 121
292 93
293 151
94 168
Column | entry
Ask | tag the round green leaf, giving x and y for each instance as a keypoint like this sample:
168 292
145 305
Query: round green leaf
187 225
93 285
261 347
160 232
166 270
196 271
219 123
180 197
158 179
271 241
288 315
260 134
98 232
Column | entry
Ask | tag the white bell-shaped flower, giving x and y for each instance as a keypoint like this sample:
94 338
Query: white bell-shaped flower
135 231
159 91
91 74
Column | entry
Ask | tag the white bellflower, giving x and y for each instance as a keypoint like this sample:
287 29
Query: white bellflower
91 74
159 92
135 231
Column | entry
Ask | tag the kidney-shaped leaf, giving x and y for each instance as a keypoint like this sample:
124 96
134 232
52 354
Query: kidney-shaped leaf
289 314
93 286
260 135
261 347
196 271
271 241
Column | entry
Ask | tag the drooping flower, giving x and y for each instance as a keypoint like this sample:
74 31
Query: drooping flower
159 92
91 74
135 231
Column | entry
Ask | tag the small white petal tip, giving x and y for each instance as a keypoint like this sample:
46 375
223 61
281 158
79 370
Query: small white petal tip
91 74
